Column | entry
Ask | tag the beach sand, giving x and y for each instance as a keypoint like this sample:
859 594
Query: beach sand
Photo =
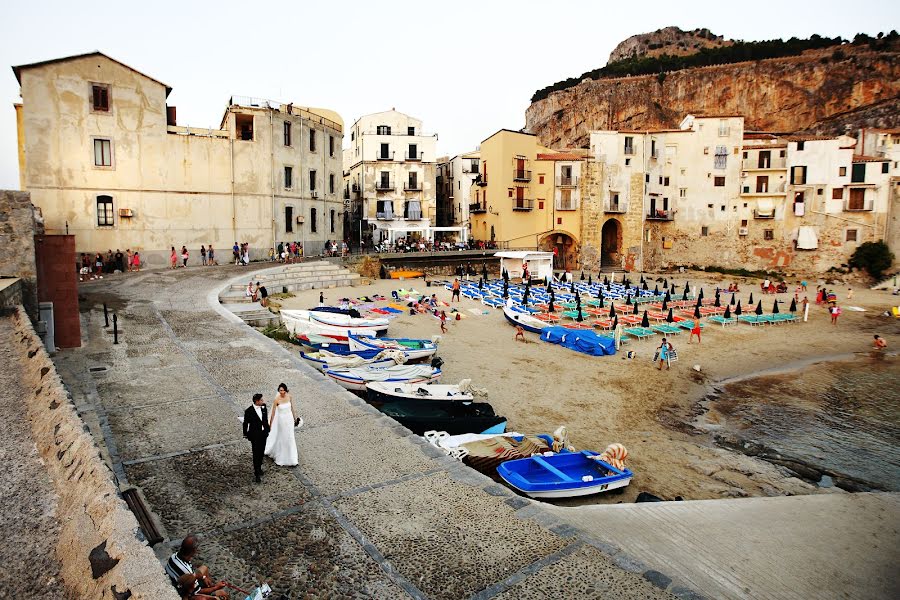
602 400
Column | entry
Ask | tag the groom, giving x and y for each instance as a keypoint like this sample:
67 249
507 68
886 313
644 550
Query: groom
256 429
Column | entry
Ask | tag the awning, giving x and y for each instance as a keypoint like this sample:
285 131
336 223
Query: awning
765 208
807 238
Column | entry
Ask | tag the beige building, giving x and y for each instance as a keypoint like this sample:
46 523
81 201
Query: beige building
103 157
389 172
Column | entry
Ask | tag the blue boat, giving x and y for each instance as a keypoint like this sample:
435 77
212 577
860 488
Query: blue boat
563 475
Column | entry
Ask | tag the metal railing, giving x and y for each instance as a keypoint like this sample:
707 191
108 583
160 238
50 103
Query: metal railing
417 156
778 162
385 215
768 214
856 206
477 208
415 186
777 188
380 156
289 108
661 215
481 180
521 175
384 186
523 204
620 206
629 150
570 204
568 181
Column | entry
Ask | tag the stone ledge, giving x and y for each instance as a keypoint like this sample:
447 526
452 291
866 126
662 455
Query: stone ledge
99 550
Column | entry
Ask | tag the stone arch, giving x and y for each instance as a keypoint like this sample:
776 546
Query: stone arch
566 246
611 244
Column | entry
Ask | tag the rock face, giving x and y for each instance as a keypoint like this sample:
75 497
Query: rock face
820 90
668 40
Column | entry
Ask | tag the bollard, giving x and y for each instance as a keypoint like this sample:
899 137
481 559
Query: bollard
105 314
115 329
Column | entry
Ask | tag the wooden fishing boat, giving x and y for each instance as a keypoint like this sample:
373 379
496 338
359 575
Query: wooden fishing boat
324 359
415 350
563 475
356 378
384 391
453 416
406 274
304 322
527 322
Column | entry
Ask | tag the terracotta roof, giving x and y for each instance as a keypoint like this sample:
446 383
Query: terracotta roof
859 158
560 156
810 138
716 116
17 70
764 146
895 130
848 147
759 136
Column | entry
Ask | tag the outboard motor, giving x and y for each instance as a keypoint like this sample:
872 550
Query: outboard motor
437 362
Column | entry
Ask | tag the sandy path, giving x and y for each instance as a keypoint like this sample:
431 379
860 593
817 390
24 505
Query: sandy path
612 399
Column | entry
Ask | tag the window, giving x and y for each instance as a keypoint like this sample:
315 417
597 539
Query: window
313 226
331 183
743 222
851 235
288 177
858 173
105 211
565 200
768 234
100 97
721 157
510 192
724 130
682 192
762 184
885 167
837 194
559 220
312 139
646 177
352 135
413 180
383 130
332 220
665 181
289 219
410 131
857 200
704 231
312 181
765 159
541 204
719 182
330 145
842 171
287 133
820 191
413 152
627 161
660 180
629 145
384 152
243 125
102 153
800 146
798 175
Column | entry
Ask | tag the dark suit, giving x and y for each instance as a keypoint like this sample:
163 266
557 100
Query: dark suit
256 431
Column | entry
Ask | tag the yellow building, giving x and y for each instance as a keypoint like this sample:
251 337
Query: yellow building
527 197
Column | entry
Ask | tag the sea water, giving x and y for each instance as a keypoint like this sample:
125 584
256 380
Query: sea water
838 417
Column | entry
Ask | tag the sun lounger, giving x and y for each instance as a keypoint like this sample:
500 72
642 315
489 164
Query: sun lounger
603 323
576 325
687 324
640 332
493 302
722 320
750 320
546 317
666 329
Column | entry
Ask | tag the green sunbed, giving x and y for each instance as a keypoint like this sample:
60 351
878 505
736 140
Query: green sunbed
666 329
640 332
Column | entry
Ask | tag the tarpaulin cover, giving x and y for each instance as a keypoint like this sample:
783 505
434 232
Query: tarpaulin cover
586 342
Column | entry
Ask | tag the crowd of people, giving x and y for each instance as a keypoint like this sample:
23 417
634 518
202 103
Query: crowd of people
95 266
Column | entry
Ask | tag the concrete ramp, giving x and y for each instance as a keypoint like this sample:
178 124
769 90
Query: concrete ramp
825 546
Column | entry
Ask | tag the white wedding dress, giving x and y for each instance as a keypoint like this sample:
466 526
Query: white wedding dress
281 445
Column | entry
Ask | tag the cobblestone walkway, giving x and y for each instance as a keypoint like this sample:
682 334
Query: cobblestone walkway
371 511
28 519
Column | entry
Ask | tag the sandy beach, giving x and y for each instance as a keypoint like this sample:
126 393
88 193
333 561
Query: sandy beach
659 416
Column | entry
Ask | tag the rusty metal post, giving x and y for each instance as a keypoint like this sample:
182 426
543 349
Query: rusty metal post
106 314
115 329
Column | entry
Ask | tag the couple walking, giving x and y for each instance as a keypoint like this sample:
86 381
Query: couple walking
272 435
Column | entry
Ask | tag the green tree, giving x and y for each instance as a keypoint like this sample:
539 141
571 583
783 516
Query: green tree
874 257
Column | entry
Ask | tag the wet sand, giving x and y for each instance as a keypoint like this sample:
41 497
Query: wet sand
654 413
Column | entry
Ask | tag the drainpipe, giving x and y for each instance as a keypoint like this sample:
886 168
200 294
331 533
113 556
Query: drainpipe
272 160
233 205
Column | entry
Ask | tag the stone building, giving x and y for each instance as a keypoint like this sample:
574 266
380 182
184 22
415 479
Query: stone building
389 172
104 159
455 179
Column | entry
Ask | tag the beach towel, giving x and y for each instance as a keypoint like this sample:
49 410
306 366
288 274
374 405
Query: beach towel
855 308
392 310
397 307
478 311
380 311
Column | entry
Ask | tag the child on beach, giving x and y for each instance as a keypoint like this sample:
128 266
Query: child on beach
443 318
835 311
879 343
695 330
662 354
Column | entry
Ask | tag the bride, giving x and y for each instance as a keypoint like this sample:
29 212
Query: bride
281 445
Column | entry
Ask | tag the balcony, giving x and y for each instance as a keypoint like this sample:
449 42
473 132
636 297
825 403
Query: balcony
384 186
661 215
851 205
385 216
417 156
763 214
382 156
777 163
481 180
523 204
568 181
471 168
772 190
346 194
415 215
412 186
620 206
570 204
521 175
476 208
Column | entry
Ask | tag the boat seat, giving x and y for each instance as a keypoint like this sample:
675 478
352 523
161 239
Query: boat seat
551 468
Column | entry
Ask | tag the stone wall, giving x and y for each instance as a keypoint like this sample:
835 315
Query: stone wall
17 231
99 547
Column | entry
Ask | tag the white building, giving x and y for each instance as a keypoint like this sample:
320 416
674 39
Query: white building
464 169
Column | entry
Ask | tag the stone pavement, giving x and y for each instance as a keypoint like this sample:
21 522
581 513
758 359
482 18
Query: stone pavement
28 516
823 546
371 510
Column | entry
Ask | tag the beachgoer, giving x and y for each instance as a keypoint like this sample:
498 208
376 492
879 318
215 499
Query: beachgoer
849 293
203 255
251 291
263 294
455 295
173 258
184 256
663 354
128 256
236 252
212 256
520 334
835 311
136 261
321 299
765 286
820 295
443 318
879 343
695 330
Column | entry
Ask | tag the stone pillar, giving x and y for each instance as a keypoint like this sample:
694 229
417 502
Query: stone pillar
18 226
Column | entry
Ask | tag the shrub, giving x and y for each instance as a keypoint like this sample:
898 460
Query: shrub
874 257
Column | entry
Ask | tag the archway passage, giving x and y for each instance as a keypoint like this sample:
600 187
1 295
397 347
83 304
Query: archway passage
611 244
564 248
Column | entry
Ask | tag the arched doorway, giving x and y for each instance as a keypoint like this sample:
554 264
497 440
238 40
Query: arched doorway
611 244
564 248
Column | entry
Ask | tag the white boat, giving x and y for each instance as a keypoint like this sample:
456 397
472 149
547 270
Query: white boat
356 378
415 350
528 323
323 359
382 390
305 322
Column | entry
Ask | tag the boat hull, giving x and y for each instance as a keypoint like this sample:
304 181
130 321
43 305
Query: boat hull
355 383
454 417
565 475
413 354
322 363
527 322
303 322
378 391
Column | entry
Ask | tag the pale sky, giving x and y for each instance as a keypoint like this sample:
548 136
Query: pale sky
465 69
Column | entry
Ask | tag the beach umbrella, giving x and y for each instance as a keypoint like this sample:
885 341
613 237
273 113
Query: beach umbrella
615 322
525 296
759 309
700 294
665 305
642 278
572 287
628 299
600 297
480 283
687 285
732 298
699 302
775 308
589 280
605 280
793 307
505 274
737 310
750 301
644 285
671 317
484 272
612 309
665 283
552 308
672 289
697 314
505 288
645 322
582 275
718 302
549 287
668 297
684 295
655 290
727 312
635 311
580 317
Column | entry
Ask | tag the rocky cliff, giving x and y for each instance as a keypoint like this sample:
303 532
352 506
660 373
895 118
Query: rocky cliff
668 40
823 90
